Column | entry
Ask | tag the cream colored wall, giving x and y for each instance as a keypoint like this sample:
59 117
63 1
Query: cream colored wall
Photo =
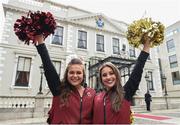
173 90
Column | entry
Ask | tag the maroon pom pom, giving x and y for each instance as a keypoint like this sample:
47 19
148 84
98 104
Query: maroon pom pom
34 24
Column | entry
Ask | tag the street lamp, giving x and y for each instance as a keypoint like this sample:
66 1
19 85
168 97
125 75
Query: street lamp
147 80
97 82
164 83
41 71
165 90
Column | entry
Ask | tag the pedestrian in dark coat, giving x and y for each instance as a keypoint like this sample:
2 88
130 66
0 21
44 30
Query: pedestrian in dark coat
148 101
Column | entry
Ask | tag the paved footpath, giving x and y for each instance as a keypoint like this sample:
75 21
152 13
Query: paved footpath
169 117
25 121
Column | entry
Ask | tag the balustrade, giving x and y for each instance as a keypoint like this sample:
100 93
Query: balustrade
22 102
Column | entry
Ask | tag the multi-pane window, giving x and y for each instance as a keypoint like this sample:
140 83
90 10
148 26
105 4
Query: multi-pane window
173 61
100 43
150 82
82 39
58 36
23 71
125 73
132 51
175 77
57 65
170 45
115 46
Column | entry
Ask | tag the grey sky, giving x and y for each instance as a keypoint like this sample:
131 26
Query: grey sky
165 11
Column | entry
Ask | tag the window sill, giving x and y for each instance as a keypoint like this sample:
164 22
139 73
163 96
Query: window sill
55 45
80 49
100 52
20 87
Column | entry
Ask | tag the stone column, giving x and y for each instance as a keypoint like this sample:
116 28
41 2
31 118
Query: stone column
39 106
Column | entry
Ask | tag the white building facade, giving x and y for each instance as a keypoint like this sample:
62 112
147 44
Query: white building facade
170 59
79 33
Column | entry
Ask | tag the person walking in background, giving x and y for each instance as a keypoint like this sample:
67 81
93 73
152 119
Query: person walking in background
72 103
148 100
112 106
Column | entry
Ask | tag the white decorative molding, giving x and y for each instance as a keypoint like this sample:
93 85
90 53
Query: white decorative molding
94 28
95 15
15 69
7 26
2 58
70 39
57 8
32 2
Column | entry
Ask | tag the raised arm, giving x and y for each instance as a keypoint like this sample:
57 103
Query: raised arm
51 75
133 83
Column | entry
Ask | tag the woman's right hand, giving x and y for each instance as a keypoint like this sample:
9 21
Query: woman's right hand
39 39
147 43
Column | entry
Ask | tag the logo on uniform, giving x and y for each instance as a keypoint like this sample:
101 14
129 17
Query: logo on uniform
88 94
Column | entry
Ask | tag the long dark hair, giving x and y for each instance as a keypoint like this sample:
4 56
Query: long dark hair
65 86
117 91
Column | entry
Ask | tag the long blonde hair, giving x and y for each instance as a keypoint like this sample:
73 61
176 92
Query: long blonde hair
117 91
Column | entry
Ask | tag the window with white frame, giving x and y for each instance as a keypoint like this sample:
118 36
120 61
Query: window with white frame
170 45
57 65
173 61
175 78
99 43
116 46
132 51
23 71
57 38
150 82
82 39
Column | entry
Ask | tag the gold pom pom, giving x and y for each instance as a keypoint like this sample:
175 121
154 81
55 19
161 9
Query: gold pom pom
131 117
139 28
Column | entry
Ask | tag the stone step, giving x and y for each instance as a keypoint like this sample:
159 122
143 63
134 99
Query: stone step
138 109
